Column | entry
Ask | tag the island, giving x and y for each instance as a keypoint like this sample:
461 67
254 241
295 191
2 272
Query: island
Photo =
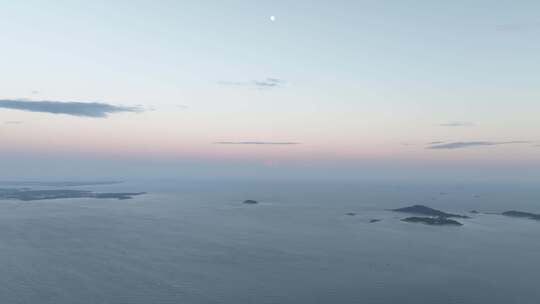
374 221
27 194
521 214
251 202
351 213
434 221
423 210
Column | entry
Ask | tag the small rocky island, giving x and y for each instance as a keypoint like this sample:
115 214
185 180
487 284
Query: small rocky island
521 214
435 221
372 221
27 194
423 210
250 202
431 216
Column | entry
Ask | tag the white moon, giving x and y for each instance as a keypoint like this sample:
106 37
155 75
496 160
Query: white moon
272 18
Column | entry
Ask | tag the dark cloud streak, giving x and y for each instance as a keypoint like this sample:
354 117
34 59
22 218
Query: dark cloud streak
456 124
470 144
255 143
74 108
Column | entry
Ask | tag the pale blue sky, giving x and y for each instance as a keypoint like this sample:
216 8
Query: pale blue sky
359 81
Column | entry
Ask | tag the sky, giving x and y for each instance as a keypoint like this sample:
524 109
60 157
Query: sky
270 89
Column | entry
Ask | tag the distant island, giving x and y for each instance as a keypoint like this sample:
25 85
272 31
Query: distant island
26 194
423 210
251 202
434 217
528 215
435 221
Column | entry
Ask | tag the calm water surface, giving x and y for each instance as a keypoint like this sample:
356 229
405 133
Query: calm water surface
197 243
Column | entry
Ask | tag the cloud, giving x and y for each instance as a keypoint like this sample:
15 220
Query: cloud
470 144
268 83
13 122
456 124
517 27
74 108
436 142
255 143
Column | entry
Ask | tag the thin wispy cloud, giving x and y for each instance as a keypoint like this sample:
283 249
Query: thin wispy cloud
277 143
517 27
13 122
436 142
471 144
457 124
74 108
268 83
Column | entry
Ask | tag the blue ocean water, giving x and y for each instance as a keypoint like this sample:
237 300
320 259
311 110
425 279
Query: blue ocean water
195 242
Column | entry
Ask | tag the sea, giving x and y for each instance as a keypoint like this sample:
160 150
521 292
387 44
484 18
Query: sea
197 242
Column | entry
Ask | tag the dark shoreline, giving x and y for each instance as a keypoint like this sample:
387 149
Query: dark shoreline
25 194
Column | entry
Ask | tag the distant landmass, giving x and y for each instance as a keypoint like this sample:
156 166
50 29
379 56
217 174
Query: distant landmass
25 194
423 210
436 221
528 215
251 202
434 217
